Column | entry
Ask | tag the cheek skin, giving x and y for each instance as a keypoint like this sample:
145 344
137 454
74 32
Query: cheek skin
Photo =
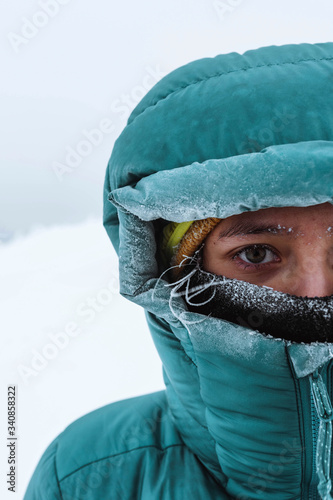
211 262
217 262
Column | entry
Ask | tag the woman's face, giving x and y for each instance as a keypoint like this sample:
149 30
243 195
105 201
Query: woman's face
289 249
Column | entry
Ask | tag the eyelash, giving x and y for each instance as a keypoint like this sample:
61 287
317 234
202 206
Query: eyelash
246 265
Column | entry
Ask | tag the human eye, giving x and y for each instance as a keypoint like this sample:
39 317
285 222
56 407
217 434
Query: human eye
255 257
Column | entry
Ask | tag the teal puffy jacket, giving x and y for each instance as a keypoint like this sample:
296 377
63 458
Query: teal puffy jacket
244 416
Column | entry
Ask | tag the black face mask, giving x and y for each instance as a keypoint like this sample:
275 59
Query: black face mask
281 315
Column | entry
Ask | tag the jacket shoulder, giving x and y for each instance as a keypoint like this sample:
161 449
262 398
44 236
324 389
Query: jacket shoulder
45 478
88 455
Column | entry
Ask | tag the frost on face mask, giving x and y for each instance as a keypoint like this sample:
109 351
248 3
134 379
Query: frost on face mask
281 315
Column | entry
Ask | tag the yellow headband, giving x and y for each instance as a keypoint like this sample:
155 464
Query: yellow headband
171 237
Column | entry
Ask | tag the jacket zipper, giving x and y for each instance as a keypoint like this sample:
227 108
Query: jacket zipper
310 433
307 436
311 417
329 391
313 491
321 435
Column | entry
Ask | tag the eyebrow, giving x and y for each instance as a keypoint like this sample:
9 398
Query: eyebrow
243 228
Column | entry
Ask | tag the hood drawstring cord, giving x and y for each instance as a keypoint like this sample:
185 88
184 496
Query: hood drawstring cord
324 410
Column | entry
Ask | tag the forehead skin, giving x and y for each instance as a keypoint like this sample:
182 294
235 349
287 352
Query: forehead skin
289 221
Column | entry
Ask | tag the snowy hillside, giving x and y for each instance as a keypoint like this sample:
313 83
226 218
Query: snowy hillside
71 342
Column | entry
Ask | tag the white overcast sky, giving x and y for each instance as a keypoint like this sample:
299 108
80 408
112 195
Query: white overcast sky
68 68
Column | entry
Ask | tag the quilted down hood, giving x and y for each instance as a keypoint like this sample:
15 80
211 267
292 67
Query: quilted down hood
214 138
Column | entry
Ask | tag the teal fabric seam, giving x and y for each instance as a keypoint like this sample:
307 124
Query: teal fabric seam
123 453
56 474
180 89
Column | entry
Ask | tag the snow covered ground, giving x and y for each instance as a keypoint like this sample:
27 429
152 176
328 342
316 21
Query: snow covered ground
71 342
